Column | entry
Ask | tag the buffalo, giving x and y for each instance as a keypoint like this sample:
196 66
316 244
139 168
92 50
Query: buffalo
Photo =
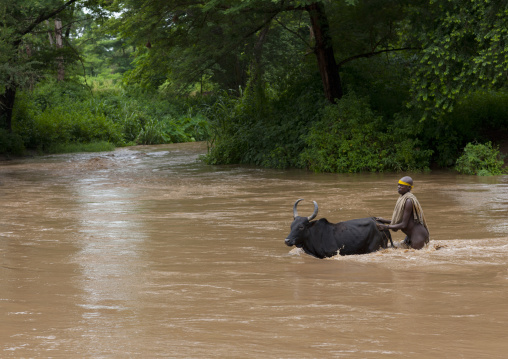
324 239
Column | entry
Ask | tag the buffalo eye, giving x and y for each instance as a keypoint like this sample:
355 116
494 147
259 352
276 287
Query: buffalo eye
301 228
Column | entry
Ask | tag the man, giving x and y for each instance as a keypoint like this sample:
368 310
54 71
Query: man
408 217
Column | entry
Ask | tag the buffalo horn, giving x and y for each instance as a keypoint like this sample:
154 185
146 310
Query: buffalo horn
295 211
315 211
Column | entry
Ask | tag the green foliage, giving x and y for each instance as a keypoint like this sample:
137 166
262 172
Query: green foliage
189 128
225 146
351 138
80 147
230 42
480 116
27 53
300 131
463 49
383 80
11 143
481 159
36 42
105 57
60 115
63 124
184 129
257 58
257 129
15 67
153 133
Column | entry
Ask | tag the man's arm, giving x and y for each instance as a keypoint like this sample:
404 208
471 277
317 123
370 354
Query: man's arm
408 209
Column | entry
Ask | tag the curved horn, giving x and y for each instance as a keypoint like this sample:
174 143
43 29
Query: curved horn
315 212
295 212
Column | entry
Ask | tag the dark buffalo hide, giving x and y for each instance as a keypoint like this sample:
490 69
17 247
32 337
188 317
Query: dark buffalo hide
324 239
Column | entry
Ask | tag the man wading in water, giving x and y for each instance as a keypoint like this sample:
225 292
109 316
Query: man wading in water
408 217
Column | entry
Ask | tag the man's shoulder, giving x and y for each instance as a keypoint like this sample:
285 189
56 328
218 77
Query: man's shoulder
410 196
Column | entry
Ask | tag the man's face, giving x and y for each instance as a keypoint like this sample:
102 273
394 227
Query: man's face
403 189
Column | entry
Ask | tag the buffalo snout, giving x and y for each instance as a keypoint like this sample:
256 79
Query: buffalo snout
289 242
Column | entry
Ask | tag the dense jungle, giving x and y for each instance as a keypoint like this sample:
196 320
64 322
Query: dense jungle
329 86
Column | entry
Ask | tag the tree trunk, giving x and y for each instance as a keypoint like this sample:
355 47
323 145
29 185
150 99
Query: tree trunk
50 36
8 97
59 45
255 66
6 106
31 81
324 52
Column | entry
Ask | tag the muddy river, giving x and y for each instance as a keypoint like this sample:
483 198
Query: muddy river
147 252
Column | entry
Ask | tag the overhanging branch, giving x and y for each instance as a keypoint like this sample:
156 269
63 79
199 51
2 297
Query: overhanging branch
45 16
374 53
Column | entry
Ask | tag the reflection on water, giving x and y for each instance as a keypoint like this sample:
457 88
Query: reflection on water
147 252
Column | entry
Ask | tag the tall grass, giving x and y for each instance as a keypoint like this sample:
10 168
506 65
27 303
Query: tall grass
80 147
64 117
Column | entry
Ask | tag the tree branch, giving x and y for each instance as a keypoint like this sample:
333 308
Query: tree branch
294 33
45 16
374 53
256 29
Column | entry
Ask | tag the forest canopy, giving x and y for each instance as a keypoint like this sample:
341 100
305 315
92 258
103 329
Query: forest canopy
333 85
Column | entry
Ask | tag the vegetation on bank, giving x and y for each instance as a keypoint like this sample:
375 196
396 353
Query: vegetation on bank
297 130
352 136
481 159
70 117
329 86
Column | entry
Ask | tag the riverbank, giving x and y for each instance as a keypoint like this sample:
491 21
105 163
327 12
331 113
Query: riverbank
503 149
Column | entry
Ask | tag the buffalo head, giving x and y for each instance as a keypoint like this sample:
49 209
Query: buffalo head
300 226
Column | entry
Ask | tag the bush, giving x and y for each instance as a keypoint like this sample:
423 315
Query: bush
66 123
153 133
259 130
351 138
481 116
480 159
188 128
226 144
299 129
58 115
346 139
11 143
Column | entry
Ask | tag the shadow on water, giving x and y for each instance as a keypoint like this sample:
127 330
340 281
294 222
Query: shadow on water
148 252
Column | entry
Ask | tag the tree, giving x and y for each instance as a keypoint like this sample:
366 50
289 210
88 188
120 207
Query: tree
103 54
181 41
464 48
18 21
324 52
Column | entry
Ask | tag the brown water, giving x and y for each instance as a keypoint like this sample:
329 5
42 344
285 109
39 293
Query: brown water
147 252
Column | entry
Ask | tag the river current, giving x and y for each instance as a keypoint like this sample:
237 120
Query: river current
147 252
